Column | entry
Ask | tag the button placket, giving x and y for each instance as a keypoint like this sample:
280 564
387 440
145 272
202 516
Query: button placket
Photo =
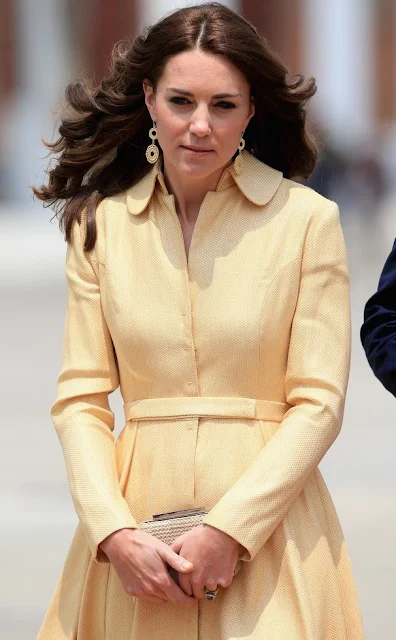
190 438
187 314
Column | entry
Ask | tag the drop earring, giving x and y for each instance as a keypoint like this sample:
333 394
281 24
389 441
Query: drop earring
152 151
238 162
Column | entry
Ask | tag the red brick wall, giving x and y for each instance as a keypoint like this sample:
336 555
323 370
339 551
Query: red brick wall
7 39
281 23
385 59
99 24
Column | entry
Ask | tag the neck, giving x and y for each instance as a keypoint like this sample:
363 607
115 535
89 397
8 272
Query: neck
189 193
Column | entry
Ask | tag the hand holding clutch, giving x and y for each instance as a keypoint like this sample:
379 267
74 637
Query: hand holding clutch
169 526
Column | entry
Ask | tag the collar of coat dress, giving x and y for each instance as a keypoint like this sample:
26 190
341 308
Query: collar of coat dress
258 182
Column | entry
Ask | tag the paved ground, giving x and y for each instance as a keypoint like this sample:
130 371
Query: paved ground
38 517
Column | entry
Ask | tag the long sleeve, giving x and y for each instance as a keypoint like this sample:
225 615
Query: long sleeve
81 413
315 387
378 332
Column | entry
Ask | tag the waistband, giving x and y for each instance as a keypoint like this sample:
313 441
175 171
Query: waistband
198 406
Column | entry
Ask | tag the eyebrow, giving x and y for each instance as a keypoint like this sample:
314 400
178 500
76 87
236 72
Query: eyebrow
217 96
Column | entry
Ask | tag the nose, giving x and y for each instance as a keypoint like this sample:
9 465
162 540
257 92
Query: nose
200 124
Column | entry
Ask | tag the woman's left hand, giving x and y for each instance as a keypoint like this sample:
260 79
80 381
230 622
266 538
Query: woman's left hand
214 555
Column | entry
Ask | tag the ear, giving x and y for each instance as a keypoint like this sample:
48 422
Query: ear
149 97
252 111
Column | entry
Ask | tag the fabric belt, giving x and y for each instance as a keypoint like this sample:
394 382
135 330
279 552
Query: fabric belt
199 406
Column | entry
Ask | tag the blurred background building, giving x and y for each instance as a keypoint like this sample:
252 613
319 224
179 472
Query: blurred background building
349 46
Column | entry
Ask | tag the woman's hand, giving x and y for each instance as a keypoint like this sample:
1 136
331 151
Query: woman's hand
214 555
140 562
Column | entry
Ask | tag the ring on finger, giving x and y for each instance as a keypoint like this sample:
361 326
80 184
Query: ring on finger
209 594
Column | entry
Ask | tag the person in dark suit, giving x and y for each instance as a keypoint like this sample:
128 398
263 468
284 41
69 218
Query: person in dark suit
378 332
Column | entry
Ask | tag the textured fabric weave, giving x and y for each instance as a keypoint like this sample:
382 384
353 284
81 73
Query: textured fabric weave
259 310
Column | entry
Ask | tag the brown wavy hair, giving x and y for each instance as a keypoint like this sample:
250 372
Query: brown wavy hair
103 134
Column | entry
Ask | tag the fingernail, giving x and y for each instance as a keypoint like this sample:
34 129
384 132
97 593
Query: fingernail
186 564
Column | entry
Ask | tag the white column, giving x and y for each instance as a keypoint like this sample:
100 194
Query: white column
44 67
339 53
153 10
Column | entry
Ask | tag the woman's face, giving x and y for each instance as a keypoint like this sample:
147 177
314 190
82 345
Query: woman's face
201 106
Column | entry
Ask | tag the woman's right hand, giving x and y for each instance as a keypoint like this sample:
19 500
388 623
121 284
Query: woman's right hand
139 560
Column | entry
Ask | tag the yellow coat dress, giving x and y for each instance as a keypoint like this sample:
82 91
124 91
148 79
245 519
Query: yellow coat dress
233 365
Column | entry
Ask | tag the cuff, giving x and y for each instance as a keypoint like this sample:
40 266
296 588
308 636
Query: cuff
229 525
99 533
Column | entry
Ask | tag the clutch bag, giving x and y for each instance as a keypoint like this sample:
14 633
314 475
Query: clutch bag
168 526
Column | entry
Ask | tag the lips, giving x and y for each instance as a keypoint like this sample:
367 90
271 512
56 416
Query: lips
197 149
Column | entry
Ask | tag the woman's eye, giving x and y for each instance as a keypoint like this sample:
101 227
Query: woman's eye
225 105
177 100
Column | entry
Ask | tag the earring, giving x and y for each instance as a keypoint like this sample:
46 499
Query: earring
152 151
238 162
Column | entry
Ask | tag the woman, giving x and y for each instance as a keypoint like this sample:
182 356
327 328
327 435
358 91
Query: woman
214 290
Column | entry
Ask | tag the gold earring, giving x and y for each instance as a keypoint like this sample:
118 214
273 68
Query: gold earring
238 162
152 151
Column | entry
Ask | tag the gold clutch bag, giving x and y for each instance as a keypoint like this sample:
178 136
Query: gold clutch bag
168 526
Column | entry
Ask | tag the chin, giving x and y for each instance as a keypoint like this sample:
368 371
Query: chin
197 169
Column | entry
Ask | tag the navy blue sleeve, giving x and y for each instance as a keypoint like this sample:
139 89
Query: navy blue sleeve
378 332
